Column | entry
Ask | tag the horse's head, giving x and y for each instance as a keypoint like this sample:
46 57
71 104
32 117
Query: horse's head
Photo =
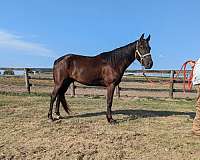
142 52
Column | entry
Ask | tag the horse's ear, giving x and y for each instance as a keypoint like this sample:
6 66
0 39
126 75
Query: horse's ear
142 37
148 38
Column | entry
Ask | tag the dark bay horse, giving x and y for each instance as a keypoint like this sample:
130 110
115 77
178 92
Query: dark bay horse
105 69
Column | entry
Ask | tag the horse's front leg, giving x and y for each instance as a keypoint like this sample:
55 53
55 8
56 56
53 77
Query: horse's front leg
110 92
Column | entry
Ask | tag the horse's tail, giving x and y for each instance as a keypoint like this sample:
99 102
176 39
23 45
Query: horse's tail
65 104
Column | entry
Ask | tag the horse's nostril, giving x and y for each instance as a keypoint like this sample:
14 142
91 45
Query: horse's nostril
149 65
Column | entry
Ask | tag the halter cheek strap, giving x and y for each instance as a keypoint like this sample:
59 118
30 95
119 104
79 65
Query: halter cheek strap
139 54
142 56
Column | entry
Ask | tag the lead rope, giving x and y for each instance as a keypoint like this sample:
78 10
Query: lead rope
183 67
185 77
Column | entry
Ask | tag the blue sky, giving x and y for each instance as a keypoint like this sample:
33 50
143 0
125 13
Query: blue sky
34 33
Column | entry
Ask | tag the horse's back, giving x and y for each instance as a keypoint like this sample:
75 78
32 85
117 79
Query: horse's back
84 69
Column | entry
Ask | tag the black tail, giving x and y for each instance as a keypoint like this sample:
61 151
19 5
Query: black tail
64 104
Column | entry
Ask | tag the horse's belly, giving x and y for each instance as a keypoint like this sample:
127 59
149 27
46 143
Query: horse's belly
88 77
90 82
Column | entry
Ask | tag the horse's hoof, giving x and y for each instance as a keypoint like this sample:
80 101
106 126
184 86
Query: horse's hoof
50 120
57 117
61 117
112 122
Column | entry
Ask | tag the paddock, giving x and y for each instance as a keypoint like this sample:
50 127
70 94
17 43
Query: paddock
148 126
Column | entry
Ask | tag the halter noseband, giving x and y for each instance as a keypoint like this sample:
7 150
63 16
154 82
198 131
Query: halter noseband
139 54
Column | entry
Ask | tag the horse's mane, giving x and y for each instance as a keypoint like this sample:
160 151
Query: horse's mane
118 55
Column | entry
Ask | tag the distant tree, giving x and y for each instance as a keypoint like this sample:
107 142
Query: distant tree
9 72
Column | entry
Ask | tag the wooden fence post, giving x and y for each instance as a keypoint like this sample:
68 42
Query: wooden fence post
73 89
117 91
27 80
171 85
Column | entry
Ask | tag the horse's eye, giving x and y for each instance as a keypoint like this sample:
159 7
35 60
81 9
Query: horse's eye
141 47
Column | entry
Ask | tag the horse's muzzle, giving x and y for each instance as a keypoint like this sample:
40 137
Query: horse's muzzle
149 65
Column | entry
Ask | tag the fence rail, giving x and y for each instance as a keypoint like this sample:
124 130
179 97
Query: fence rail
135 76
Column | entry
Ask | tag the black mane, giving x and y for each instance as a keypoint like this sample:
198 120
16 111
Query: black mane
118 55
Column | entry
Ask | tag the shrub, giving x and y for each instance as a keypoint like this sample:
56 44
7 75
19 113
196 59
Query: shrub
8 72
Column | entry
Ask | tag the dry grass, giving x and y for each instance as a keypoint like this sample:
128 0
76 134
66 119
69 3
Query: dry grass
146 129
17 85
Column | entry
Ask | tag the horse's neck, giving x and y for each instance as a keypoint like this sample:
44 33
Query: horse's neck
126 62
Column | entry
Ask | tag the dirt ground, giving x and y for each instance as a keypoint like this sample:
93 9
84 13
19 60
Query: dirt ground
149 125
147 128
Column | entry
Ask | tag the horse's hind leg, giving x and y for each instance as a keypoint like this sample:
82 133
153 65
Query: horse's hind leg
57 112
64 104
61 98
53 98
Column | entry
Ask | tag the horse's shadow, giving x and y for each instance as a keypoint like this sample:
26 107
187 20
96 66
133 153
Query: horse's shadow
133 114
